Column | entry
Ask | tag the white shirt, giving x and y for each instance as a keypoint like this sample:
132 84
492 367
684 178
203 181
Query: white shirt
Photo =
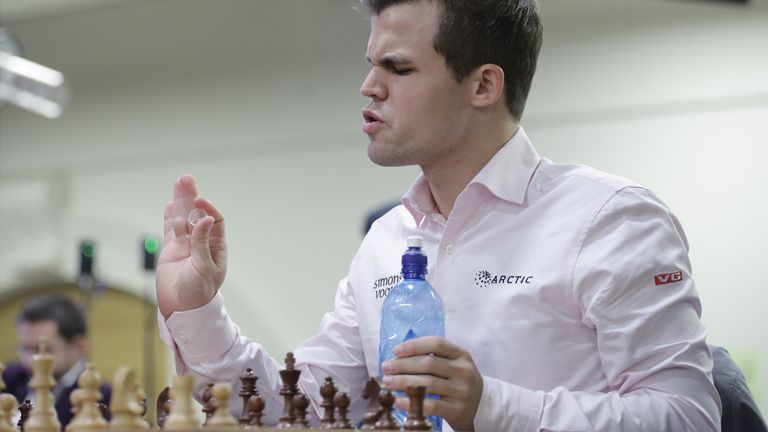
571 289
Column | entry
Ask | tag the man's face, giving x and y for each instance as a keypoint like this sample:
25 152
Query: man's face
417 112
65 354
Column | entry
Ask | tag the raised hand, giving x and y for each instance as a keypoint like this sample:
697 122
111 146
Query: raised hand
445 369
193 260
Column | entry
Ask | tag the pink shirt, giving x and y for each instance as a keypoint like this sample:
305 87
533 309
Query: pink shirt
571 288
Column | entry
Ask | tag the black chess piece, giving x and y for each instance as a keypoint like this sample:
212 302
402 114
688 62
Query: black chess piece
290 378
341 402
387 420
163 407
255 412
208 402
373 411
300 405
327 391
416 419
24 408
248 389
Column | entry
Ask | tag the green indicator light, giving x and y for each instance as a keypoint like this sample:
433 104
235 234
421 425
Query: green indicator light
151 245
88 249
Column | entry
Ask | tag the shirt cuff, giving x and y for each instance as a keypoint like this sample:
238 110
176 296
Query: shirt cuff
203 333
505 406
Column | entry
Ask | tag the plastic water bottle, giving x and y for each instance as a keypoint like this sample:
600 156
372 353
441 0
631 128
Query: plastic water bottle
411 310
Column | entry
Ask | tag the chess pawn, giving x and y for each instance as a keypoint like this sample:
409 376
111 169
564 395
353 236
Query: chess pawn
182 414
8 406
300 404
209 404
255 412
42 417
387 420
416 419
327 391
163 407
125 405
341 402
85 401
222 417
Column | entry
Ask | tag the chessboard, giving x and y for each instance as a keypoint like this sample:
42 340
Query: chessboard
175 407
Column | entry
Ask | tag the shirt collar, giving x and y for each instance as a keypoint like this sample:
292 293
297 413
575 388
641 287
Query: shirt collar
71 376
506 176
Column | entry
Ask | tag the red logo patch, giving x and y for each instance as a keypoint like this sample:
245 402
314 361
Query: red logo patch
666 278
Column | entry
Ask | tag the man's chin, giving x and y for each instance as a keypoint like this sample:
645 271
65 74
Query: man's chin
384 158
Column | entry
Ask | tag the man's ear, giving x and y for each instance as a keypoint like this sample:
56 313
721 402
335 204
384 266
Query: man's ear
80 344
487 85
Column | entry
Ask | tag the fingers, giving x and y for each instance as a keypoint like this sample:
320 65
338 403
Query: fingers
184 194
200 240
429 345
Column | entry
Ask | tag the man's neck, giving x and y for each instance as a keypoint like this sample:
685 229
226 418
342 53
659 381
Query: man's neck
448 178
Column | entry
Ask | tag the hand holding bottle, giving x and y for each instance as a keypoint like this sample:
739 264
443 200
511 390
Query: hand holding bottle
445 369
193 260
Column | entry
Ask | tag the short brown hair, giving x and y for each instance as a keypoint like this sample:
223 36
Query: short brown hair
471 33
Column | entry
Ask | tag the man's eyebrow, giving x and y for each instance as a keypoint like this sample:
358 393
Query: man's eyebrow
389 60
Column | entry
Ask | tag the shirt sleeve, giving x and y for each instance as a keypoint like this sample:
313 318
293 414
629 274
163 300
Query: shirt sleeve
209 346
632 282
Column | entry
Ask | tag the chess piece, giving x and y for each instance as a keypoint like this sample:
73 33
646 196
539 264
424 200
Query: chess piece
2 383
24 409
181 415
85 399
43 417
416 419
341 402
255 412
248 389
387 420
209 404
327 391
8 406
125 405
300 404
373 411
290 378
222 417
163 407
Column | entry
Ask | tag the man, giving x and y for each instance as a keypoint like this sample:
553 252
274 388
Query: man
568 293
63 325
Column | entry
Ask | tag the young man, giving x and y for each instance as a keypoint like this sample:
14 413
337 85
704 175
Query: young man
61 322
568 293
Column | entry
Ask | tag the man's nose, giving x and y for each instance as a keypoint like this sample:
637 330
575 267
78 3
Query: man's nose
373 87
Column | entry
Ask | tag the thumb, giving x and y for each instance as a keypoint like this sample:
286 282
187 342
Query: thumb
200 239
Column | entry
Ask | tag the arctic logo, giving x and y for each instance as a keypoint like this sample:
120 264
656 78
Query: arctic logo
666 278
483 278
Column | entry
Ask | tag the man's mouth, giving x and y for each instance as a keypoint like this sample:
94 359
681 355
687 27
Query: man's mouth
371 121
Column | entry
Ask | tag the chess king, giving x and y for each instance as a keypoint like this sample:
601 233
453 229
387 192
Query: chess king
58 320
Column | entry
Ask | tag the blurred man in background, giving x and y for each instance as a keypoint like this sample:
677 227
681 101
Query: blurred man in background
62 323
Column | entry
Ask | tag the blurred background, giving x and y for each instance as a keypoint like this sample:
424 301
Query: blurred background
259 100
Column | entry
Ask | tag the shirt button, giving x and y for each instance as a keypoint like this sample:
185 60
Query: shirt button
450 249
183 339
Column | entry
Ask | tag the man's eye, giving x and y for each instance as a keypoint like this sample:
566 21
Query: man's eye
401 71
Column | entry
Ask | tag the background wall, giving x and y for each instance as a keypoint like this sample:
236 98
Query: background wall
259 100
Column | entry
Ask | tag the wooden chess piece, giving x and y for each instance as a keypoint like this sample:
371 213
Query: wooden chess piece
290 378
416 419
255 412
8 406
248 389
24 409
43 417
163 407
222 417
327 391
387 420
209 404
2 383
181 416
373 411
300 404
125 405
341 402
85 399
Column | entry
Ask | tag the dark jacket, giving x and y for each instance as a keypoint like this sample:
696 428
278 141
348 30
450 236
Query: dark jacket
740 413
